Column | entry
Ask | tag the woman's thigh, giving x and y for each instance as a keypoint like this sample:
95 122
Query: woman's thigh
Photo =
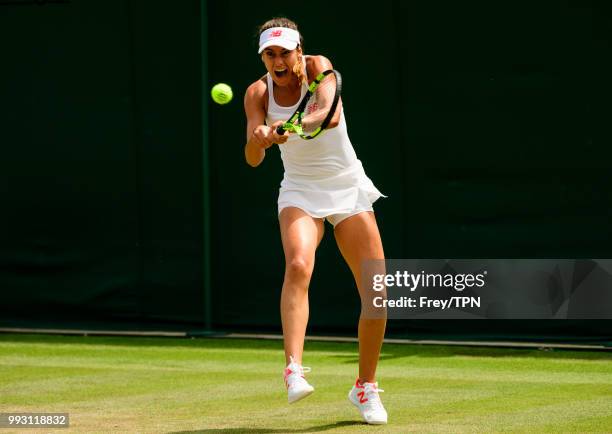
359 240
300 234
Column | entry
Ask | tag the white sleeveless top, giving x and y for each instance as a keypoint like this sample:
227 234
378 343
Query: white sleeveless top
323 175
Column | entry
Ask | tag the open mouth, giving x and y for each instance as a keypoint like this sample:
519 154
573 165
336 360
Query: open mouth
280 73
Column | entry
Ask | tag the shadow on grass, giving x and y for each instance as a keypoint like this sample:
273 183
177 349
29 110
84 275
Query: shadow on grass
318 428
389 352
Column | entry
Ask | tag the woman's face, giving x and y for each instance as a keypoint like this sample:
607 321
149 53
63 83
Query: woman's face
280 62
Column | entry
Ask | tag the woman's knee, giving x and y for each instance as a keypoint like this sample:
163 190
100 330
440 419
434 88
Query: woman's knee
299 268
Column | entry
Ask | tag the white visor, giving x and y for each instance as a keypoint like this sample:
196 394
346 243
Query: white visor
281 36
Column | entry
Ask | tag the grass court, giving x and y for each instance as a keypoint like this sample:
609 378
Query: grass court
173 385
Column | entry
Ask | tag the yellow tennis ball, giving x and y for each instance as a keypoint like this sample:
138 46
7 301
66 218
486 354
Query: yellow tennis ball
221 93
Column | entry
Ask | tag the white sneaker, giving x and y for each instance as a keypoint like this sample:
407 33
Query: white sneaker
297 386
365 398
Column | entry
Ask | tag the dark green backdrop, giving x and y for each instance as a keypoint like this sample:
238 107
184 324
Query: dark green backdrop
485 123
101 172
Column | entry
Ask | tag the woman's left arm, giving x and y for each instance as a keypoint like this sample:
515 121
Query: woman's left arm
314 66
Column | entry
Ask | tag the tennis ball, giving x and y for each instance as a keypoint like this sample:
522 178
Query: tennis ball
221 93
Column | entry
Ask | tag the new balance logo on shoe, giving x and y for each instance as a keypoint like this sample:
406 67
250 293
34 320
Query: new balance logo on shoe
362 400
365 397
297 386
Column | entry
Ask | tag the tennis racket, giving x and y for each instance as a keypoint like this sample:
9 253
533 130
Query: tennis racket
317 107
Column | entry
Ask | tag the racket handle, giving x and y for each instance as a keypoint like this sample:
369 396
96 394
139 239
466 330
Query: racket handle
280 130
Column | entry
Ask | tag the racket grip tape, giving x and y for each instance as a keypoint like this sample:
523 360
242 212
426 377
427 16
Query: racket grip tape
280 130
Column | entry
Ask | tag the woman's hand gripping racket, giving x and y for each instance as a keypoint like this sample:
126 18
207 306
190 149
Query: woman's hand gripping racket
317 107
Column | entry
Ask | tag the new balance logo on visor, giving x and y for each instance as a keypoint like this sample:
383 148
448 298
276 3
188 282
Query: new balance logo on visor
281 36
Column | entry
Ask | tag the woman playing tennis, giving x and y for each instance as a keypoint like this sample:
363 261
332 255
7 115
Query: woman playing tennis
323 180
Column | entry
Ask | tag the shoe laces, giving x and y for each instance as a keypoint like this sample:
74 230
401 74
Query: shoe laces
371 392
295 368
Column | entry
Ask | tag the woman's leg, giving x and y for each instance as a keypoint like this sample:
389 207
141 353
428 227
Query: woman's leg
359 240
300 234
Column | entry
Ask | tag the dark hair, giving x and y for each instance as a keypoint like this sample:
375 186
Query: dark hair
280 22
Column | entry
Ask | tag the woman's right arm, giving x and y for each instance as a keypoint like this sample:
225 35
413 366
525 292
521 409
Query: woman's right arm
259 136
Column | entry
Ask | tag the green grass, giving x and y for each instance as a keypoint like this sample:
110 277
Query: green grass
167 385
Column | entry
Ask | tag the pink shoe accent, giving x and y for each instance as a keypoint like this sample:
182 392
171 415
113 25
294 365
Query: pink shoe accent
287 372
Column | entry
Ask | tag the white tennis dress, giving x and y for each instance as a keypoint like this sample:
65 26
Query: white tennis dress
322 176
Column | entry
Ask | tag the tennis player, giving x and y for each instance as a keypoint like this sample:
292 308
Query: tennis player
323 180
